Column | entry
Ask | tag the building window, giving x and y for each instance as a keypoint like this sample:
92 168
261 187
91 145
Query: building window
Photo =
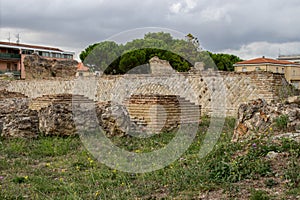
8 66
277 70
46 54
56 55
296 84
294 72
67 56
282 70
15 67
244 69
27 52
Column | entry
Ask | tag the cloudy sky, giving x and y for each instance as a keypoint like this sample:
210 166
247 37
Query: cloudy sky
242 27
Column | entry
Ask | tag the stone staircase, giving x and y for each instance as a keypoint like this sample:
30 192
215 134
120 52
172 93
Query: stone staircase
5 94
157 113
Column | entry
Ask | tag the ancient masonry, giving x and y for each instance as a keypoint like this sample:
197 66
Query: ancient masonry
196 88
155 102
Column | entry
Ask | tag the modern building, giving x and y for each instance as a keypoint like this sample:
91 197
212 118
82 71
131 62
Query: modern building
12 56
291 70
291 58
83 70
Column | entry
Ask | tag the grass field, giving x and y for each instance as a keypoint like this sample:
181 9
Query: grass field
61 168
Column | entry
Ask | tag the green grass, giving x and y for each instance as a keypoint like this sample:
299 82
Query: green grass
281 122
61 168
259 195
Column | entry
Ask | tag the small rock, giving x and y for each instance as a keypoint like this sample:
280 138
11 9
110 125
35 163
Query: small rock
294 99
292 136
272 155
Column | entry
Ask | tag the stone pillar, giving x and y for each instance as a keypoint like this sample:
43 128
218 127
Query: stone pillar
23 73
160 67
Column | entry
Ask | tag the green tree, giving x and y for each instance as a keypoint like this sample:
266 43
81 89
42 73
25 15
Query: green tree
132 59
87 51
166 37
224 62
181 53
101 55
193 40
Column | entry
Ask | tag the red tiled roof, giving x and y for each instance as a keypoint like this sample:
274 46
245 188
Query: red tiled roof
30 46
81 67
265 61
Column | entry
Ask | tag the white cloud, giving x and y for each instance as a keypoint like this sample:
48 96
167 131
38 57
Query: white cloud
190 4
218 24
184 6
176 7
214 14
259 49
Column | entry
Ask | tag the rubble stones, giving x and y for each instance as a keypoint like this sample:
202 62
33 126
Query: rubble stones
258 117
16 119
114 119
41 68
57 119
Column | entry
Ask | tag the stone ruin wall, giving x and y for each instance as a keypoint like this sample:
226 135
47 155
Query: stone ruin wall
196 87
37 67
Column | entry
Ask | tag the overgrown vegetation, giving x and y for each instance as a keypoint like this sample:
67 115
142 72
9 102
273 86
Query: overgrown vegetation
61 168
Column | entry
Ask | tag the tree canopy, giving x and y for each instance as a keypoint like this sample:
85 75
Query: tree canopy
113 58
224 62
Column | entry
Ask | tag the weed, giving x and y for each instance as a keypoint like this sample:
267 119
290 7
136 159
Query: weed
293 173
270 183
21 179
281 122
259 195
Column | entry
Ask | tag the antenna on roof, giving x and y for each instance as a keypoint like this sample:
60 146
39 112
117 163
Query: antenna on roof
18 38
8 37
279 52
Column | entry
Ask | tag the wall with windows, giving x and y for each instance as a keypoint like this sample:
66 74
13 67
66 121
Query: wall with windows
10 61
292 74
250 68
55 55
48 54
270 68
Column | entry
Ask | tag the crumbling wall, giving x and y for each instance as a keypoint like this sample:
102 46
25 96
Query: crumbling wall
258 117
37 67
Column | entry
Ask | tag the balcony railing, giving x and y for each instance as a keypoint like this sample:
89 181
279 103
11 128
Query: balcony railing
15 74
9 56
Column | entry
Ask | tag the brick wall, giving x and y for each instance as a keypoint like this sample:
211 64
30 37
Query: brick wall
223 91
